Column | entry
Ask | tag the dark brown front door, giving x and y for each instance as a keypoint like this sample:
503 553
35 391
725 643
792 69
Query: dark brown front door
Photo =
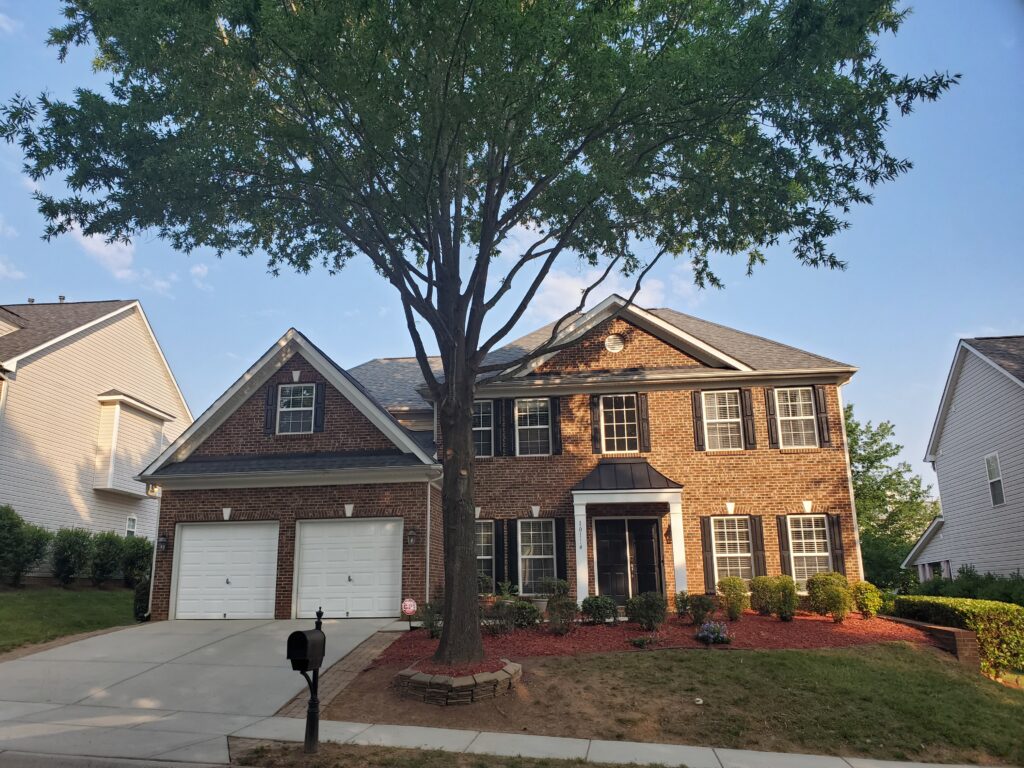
628 557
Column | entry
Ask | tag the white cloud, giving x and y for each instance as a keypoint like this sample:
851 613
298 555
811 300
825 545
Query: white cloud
119 260
199 273
8 271
8 26
6 230
562 291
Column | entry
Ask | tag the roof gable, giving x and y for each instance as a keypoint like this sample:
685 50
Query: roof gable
40 325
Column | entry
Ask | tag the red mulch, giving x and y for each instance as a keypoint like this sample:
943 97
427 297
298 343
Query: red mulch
490 664
751 632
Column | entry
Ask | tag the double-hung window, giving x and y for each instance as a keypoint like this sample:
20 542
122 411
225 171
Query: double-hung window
536 554
483 428
131 525
809 546
795 412
732 547
995 479
295 408
723 421
485 549
533 426
620 429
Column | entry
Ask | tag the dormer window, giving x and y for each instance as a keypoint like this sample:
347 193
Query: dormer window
295 406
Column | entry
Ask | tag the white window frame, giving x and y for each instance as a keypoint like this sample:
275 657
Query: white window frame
714 550
515 418
553 557
489 429
494 554
281 409
792 552
813 417
993 480
131 526
737 420
635 438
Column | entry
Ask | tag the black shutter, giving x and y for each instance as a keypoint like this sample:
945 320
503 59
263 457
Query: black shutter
319 403
835 536
698 420
757 545
509 437
513 551
787 565
556 425
747 404
773 425
270 410
595 424
561 571
821 408
709 556
499 552
645 422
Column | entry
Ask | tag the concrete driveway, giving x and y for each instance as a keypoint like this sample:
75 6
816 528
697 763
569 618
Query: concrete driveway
171 690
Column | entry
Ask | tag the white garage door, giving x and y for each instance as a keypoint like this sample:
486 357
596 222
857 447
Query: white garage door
353 568
226 571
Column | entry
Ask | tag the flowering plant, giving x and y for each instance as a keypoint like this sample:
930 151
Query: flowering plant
713 632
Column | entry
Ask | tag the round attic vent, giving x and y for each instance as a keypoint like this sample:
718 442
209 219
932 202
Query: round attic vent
614 343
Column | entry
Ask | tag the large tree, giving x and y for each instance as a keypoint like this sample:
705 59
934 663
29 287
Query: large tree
421 134
894 505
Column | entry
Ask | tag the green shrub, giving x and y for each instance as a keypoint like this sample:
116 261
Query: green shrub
888 606
999 626
10 537
107 556
763 595
141 602
829 595
648 610
498 619
682 604
971 584
507 590
136 559
867 597
429 615
600 609
525 614
551 587
23 547
71 553
701 606
786 597
562 615
733 590
484 584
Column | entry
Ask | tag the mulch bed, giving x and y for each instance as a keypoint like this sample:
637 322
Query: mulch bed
751 632
427 667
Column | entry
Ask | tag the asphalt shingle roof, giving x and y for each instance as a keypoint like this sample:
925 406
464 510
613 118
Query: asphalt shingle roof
286 462
40 323
1005 351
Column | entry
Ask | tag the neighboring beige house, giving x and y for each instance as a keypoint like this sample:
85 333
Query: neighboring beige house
87 400
977 450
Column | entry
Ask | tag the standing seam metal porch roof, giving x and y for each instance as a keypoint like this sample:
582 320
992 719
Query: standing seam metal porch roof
627 474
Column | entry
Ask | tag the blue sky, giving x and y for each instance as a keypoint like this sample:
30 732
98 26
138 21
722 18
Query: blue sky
937 257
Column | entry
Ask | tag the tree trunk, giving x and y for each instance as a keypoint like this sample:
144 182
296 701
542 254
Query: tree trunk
460 634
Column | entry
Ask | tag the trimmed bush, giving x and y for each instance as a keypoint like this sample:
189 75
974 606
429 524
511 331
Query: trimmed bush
999 626
23 546
648 610
701 606
71 553
141 601
733 590
525 614
136 559
107 555
786 597
551 587
867 597
599 609
969 583
562 615
763 595
682 604
829 595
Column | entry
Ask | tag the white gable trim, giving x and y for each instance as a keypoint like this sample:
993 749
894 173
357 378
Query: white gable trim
254 378
929 533
646 320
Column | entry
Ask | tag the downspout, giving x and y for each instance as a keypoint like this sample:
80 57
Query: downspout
152 574
427 569
849 480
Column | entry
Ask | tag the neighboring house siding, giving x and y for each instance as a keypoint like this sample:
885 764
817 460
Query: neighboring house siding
50 427
986 416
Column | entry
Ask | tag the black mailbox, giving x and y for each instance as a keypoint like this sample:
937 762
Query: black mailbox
306 649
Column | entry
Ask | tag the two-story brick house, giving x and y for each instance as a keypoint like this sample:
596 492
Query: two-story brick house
655 452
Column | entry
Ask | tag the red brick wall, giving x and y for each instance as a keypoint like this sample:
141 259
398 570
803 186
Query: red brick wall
405 500
345 428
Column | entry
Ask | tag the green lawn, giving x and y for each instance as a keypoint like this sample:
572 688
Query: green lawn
35 615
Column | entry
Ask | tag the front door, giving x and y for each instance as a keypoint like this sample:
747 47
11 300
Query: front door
628 557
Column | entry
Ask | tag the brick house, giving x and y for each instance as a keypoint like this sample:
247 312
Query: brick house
657 452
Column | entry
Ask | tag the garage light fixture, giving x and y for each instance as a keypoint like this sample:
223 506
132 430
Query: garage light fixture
161 544
411 537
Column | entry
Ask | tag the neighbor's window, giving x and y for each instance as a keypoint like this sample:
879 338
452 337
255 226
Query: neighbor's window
130 525
808 547
995 479
485 548
731 545
795 412
533 427
536 554
483 427
295 408
722 420
619 426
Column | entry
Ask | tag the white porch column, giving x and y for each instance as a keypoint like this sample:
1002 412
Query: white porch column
675 513
580 535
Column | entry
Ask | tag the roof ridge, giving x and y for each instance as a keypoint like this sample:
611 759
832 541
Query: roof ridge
66 303
987 338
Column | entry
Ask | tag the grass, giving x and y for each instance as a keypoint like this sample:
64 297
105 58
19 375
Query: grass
37 615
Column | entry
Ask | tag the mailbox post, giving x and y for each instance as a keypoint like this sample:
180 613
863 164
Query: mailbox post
306 653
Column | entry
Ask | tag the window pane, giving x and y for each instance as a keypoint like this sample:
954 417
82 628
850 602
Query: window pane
732 536
808 537
482 414
621 432
805 566
724 436
483 432
297 396
296 421
735 566
485 539
533 572
795 402
798 433
996 487
722 421
536 554
992 465
796 418
533 420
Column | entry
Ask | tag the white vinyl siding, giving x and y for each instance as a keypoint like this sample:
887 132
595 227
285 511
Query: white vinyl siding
808 547
620 426
723 421
536 554
995 479
485 548
794 408
533 426
732 547
483 428
295 405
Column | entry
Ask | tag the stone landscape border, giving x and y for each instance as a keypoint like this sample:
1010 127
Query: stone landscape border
445 690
